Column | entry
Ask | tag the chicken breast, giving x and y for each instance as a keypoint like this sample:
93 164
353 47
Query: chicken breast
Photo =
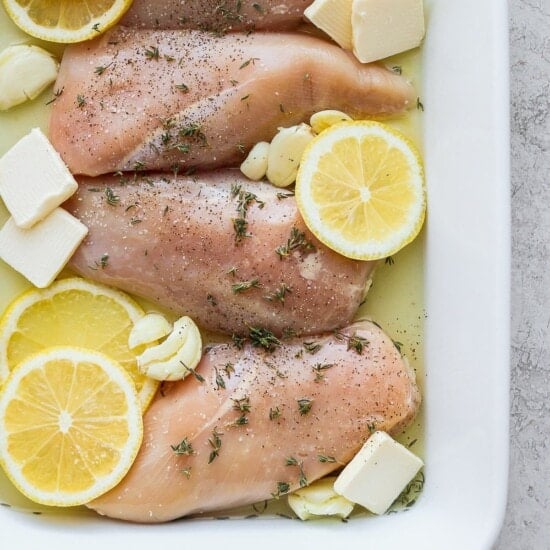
255 424
230 253
215 15
174 100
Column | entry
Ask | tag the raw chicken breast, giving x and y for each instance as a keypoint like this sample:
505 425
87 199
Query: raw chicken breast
254 412
215 15
170 100
206 246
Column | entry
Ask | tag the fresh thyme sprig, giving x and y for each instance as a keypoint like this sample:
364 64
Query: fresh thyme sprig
243 286
216 444
296 241
304 405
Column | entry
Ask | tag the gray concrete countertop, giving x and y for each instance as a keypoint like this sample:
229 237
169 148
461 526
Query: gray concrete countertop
527 521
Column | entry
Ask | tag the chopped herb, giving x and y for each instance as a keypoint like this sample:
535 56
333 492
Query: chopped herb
216 444
56 94
193 372
182 148
241 148
103 261
397 69
389 260
237 288
169 58
229 369
152 52
183 448
182 87
319 368
232 271
245 97
139 165
274 413
282 489
220 382
238 341
95 27
371 426
240 225
101 69
397 345
248 61
165 211
302 480
261 337
312 347
326 459
80 101
279 294
135 221
357 343
242 405
304 405
412 443
186 472
211 300
234 82
297 240
258 8
241 420
112 199
419 104
281 108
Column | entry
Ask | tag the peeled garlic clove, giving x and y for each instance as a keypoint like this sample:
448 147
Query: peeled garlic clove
150 328
319 499
285 153
176 356
254 165
323 119
25 72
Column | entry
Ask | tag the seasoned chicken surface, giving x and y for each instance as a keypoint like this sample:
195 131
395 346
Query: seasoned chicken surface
226 435
174 100
230 253
215 15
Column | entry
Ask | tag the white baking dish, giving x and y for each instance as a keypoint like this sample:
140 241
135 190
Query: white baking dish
465 96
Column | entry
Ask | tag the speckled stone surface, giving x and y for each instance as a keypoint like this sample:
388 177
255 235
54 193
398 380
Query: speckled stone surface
527 522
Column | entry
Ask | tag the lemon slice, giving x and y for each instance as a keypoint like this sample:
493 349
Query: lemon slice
360 189
73 312
65 20
70 426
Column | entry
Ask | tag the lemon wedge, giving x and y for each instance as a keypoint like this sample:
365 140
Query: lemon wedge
65 21
73 312
360 189
70 426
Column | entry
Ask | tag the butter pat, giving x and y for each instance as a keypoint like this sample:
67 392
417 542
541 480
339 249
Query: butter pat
41 252
381 28
33 179
334 18
25 72
319 499
377 475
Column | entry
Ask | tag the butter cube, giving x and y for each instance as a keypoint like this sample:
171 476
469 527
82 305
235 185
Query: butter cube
381 28
378 473
334 18
33 179
41 252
